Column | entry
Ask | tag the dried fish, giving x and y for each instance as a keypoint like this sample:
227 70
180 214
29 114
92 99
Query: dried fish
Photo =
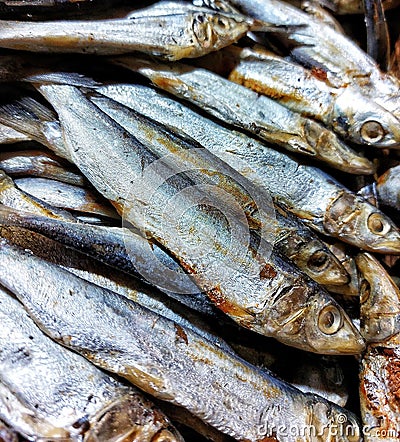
172 30
182 368
15 198
319 46
380 324
47 391
66 196
312 195
245 109
41 164
289 237
257 289
344 110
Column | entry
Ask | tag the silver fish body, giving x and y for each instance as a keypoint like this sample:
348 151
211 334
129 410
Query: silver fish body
66 196
287 236
15 198
47 391
319 45
40 164
244 109
345 110
175 30
180 368
257 291
306 191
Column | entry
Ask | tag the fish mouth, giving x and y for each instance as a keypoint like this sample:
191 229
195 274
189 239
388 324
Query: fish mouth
388 246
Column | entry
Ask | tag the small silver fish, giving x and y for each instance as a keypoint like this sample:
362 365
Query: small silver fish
306 191
15 198
345 110
179 367
39 163
172 30
48 392
245 109
66 196
9 135
265 294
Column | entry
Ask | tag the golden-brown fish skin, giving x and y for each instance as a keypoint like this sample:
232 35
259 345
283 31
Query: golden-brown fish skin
15 198
380 300
380 364
379 386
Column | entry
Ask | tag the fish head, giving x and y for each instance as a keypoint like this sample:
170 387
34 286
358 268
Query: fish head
327 419
132 419
215 30
357 222
320 264
306 317
326 146
328 329
363 121
379 299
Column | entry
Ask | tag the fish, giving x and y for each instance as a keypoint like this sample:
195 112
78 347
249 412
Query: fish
66 196
288 236
379 300
293 239
317 45
245 109
379 313
378 392
15 198
41 164
256 288
352 288
306 191
387 188
345 110
69 252
48 392
172 30
181 368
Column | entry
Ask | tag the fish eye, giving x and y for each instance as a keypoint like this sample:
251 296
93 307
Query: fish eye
365 291
377 224
318 261
372 132
222 23
329 320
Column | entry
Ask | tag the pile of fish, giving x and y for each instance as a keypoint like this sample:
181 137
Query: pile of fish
199 221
